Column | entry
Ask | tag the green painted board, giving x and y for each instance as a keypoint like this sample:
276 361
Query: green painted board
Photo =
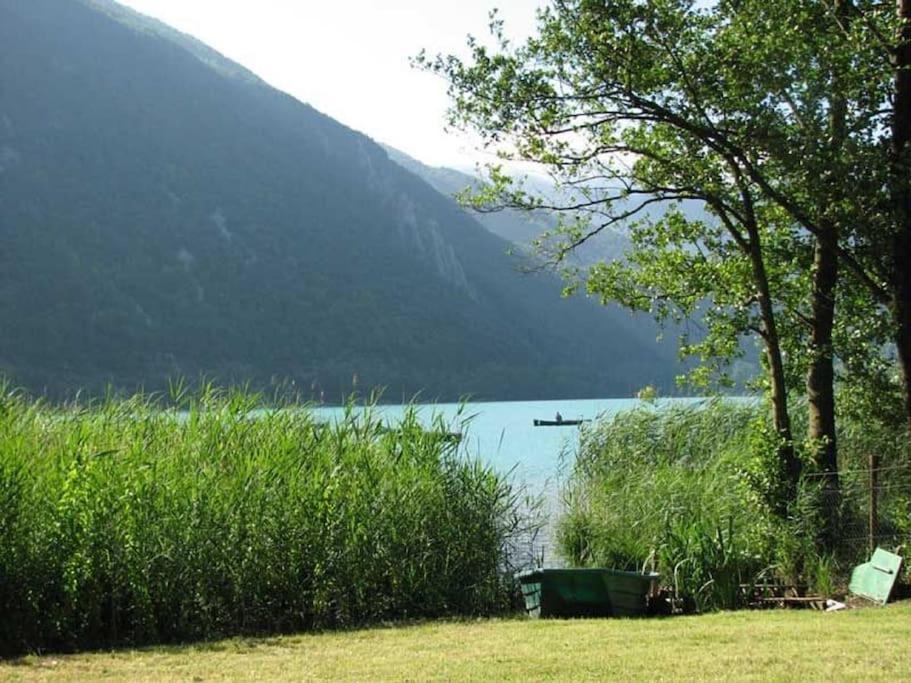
874 579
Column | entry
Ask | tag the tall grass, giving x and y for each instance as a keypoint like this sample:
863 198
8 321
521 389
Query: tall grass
661 488
680 489
124 522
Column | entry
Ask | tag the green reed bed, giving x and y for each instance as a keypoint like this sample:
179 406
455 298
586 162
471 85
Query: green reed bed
124 522
663 488
684 490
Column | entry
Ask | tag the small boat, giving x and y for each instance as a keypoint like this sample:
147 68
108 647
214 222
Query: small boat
559 423
571 593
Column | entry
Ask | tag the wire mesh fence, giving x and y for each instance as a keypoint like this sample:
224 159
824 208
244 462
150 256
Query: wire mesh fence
867 508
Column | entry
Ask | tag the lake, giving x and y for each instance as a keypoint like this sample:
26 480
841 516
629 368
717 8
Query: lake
503 435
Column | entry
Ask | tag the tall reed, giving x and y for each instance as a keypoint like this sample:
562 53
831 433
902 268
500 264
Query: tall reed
126 522
660 488
682 490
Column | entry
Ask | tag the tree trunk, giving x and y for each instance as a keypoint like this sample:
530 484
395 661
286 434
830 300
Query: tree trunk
821 379
787 459
901 312
820 382
900 180
821 375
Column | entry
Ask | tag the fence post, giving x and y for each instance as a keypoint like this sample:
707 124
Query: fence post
874 484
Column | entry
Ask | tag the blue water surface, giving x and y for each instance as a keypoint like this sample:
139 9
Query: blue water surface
503 433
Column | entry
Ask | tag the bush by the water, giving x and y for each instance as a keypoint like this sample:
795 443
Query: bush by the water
660 488
127 523
683 490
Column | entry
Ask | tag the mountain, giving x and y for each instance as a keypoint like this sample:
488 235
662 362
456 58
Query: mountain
522 228
165 212
519 227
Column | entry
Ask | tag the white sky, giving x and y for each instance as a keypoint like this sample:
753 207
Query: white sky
349 59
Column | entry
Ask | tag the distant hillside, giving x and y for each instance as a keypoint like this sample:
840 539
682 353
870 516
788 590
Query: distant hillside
164 212
518 227
521 228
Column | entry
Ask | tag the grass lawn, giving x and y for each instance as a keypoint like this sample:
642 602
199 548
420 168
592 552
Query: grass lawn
867 644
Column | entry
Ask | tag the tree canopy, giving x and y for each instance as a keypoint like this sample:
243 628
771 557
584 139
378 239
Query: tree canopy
781 118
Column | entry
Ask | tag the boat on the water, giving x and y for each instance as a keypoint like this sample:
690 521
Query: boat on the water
558 423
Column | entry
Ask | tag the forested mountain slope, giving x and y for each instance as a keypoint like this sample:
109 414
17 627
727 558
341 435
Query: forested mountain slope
164 212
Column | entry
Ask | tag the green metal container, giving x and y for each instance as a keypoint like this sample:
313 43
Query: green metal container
585 592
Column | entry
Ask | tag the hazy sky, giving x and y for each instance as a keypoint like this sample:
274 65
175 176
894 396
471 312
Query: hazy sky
350 59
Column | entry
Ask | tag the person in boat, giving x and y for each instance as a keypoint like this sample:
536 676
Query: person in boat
559 417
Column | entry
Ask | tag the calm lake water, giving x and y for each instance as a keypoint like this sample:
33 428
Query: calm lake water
503 433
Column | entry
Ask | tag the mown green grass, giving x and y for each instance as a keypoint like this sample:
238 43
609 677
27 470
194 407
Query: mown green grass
128 523
863 645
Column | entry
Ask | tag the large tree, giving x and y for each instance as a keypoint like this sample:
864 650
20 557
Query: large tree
634 104
834 75
899 155
789 120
